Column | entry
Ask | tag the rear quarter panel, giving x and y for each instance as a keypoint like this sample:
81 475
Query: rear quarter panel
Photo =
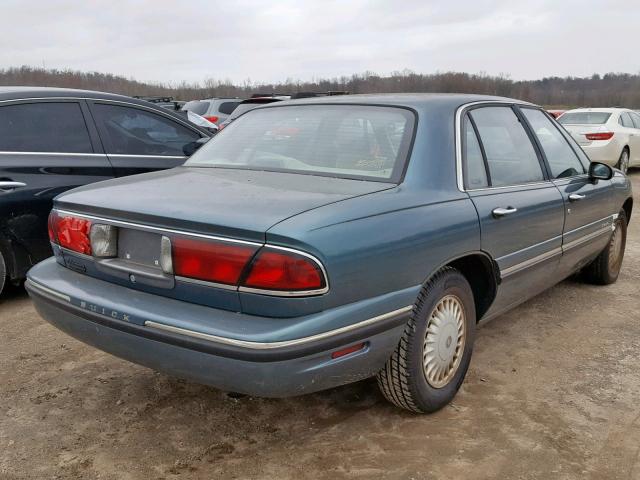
386 242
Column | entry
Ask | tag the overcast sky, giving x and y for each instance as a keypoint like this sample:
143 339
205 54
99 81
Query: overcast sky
170 41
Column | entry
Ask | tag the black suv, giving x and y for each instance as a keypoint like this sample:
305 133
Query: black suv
55 139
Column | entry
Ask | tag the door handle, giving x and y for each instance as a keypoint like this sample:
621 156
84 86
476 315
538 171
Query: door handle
8 185
501 212
574 197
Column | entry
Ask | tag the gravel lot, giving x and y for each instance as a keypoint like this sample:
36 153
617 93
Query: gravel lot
552 392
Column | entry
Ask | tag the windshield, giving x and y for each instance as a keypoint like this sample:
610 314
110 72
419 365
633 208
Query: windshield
196 106
584 118
347 141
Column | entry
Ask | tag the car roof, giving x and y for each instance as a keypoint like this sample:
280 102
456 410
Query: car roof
409 100
19 93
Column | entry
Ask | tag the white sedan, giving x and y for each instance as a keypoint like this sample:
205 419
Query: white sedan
607 135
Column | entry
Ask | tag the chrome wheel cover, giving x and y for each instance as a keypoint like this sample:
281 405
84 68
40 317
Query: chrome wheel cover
444 341
624 162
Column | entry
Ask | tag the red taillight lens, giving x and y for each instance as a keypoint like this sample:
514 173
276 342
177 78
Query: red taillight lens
599 135
70 232
212 118
282 270
211 261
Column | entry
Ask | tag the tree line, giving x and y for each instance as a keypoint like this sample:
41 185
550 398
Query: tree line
611 89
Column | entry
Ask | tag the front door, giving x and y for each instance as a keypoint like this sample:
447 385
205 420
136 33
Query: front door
520 211
588 204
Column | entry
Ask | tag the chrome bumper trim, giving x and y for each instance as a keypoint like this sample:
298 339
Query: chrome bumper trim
50 291
281 344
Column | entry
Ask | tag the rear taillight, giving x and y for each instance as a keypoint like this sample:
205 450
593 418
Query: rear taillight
210 260
70 232
283 270
212 118
599 135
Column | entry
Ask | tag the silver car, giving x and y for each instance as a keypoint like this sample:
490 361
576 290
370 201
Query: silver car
216 110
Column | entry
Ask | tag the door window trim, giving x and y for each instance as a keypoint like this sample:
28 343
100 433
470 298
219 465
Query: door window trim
461 111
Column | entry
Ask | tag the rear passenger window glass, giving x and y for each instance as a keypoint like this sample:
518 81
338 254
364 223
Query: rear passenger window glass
475 174
625 120
133 131
44 127
560 156
510 154
227 107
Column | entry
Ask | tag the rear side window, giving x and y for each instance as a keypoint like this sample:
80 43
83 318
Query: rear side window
636 119
196 106
227 107
560 156
584 118
625 120
44 127
475 174
511 158
133 131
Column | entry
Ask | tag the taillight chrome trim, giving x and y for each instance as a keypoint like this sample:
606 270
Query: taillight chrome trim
259 291
291 293
149 228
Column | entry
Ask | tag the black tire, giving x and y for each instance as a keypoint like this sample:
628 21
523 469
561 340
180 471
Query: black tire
403 380
604 270
3 273
623 161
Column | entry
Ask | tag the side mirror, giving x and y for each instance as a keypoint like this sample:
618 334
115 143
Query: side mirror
190 148
600 171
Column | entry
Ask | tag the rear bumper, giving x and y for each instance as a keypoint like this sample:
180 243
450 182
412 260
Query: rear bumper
251 365
603 151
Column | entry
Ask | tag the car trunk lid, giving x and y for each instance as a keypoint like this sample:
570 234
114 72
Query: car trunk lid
234 203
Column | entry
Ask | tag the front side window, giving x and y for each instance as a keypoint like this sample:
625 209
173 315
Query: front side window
332 140
560 156
133 131
511 158
44 127
475 174
636 119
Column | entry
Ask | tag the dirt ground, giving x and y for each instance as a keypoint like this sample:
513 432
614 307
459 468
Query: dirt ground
553 392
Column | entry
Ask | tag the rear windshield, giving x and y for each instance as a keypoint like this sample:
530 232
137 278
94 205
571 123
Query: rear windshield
584 118
196 106
349 141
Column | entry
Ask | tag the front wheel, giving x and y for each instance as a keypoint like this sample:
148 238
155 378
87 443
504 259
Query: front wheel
605 269
623 162
430 362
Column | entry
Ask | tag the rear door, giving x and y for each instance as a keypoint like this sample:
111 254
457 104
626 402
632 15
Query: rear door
520 210
588 207
627 121
139 139
46 147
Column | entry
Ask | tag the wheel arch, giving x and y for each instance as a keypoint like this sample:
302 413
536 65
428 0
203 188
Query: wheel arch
481 272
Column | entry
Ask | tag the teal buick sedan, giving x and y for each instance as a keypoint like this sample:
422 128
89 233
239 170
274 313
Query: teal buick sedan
317 242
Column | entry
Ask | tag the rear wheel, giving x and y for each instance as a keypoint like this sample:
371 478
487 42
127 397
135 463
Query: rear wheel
430 362
605 269
623 162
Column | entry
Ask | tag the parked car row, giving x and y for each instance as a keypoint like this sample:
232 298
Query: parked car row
313 242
